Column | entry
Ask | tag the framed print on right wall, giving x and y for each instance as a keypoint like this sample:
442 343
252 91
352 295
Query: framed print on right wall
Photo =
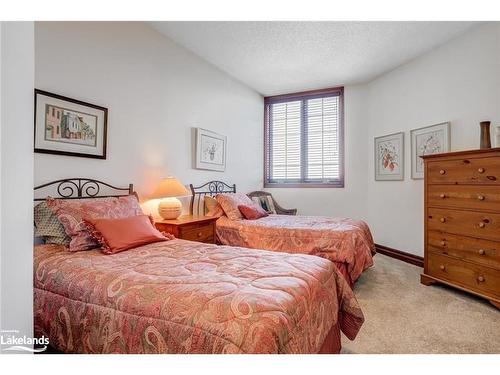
428 140
389 157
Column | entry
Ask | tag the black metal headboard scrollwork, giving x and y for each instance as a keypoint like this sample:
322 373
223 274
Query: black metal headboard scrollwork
80 188
211 189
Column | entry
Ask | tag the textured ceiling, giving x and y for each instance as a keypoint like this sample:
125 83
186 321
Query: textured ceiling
280 57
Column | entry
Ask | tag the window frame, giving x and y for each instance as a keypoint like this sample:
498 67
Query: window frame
312 94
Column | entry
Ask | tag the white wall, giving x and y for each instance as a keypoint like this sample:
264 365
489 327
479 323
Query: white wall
155 91
349 201
16 178
458 82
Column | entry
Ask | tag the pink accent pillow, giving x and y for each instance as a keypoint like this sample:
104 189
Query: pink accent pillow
117 235
72 212
230 203
252 212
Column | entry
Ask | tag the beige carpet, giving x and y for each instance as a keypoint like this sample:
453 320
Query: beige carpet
404 316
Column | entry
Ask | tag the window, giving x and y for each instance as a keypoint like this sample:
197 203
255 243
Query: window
303 139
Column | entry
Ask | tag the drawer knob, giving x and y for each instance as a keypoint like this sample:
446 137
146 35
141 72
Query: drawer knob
200 234
480 197
481 170
442 171
480 279
481 225
481 251
442 267
442 220
442 196
443 243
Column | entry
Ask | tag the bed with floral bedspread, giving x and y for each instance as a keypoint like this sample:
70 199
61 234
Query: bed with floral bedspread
346 242
185 297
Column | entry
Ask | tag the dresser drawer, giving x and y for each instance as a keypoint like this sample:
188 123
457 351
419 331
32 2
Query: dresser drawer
472 249
467 223
468 275
465 171
203 233
465 196
190 227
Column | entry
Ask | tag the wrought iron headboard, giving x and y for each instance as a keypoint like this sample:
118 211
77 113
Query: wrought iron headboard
82 188
210 188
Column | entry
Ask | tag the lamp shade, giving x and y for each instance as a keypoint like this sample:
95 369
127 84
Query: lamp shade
169 187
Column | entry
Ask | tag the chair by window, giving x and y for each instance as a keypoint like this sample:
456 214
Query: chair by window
279 210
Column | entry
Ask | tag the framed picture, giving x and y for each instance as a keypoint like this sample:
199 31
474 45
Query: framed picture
389 157
210 150
432 139
65 126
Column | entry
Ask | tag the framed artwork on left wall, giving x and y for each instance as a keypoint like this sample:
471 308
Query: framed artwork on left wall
210 150
71 127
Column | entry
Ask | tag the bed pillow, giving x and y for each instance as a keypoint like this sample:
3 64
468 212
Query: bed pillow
252 212
72 212
212 207
230 203
48 226
116 235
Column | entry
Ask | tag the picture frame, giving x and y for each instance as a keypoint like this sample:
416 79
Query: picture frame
211 149
389 157
70 127
428 140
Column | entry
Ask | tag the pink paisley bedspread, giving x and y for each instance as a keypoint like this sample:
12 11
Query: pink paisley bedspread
337 239
186 297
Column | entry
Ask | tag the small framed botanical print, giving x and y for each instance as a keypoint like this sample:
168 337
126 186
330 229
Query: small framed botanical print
389 157
66 126
429 140
210 150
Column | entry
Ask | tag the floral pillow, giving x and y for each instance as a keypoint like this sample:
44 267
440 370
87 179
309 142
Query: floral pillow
230 203
48 226
213 208
72 213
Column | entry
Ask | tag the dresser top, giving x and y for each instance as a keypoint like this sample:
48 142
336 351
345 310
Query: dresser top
187 219
465 152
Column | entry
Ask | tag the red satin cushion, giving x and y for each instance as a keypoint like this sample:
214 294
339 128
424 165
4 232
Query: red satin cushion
252 212
117 235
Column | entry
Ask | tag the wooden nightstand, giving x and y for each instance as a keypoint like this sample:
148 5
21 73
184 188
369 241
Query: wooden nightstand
189 227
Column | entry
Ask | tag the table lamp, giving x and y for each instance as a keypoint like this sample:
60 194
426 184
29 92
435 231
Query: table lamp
169 188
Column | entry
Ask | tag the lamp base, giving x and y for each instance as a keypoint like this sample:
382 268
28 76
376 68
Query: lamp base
170 208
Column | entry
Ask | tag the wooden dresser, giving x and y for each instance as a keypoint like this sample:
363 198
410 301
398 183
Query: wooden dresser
462 221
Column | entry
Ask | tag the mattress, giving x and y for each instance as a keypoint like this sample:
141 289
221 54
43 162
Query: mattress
339 240
186 297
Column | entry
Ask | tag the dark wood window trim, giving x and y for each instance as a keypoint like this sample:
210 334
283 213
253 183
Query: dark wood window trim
300 96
